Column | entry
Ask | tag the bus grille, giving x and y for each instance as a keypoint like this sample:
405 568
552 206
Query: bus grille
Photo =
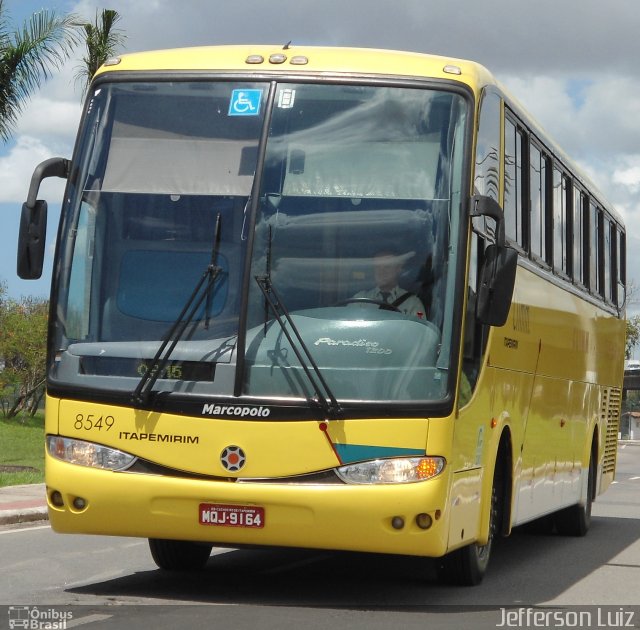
610 416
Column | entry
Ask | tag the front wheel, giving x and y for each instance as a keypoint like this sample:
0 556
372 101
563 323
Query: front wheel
466 566
179 555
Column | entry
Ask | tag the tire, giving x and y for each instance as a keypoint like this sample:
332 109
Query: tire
467 566
179 555
576 520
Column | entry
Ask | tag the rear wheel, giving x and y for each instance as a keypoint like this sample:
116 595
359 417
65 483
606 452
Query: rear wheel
575 520
179 555
466 566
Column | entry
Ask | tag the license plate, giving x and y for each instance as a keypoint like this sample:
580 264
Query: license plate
231 515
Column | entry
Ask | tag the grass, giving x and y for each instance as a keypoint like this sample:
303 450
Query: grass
22 446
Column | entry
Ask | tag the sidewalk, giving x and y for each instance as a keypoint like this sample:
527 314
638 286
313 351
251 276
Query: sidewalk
23 504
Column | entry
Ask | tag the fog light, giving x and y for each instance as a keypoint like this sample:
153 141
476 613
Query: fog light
56 499
424 521
79 503
397 522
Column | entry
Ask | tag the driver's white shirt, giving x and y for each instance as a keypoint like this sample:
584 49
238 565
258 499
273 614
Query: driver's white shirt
410 306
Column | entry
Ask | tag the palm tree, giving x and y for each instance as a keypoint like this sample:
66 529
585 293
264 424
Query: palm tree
102 41
27 58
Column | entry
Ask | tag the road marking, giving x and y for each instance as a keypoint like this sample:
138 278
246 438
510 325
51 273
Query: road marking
81 621
633 478
25 529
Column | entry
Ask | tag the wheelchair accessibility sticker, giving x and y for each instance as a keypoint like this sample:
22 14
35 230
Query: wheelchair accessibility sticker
245 102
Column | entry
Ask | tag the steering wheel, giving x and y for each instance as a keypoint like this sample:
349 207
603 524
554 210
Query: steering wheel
363 300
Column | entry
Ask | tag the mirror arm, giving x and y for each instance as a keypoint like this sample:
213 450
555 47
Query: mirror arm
483 206
53 167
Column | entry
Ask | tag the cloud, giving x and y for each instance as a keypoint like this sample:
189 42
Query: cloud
546 36
16 168
46 128
52 120
629 176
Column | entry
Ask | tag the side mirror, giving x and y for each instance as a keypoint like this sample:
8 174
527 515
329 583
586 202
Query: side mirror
498 273
31 242
33 221
497 280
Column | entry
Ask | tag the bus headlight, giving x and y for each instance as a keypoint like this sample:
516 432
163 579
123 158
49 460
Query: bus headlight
397 470
88 454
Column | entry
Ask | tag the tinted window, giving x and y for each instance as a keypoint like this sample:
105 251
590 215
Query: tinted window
538 188
487 174
513 183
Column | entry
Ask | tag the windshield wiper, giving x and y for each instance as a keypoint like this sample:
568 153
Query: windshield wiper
327 401
208 279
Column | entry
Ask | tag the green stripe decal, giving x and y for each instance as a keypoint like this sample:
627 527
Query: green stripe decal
350 453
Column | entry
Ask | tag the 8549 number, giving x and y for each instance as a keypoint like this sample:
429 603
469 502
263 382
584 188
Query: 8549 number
93 422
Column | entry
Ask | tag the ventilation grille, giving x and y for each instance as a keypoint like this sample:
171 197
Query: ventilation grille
610 416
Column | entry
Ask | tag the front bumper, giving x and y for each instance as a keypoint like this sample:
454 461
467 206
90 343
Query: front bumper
337 516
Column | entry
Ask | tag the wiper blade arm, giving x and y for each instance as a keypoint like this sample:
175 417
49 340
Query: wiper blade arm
326 400
208 279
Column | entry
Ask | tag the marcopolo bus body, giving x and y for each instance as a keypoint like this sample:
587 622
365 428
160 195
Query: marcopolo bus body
288 309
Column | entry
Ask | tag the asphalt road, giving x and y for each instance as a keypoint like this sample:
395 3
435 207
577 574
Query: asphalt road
113 583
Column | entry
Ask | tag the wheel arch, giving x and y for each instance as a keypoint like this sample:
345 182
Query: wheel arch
501 464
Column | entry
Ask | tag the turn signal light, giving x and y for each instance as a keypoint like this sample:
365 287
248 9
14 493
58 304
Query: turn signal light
393 470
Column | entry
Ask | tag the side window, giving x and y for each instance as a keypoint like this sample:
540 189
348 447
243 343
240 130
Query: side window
561 220
540 221
79 292
594 248
475 336
567 194
514 193
487 173
578 237
558 221
622 266
577 232
605 288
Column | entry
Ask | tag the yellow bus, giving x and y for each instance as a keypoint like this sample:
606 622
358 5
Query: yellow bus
324 298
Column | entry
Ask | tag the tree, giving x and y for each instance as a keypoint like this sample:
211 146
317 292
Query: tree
27 58
23 334
102 40
633 335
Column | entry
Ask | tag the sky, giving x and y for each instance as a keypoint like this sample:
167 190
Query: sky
572 63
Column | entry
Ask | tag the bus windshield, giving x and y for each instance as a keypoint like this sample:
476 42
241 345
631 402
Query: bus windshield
337 243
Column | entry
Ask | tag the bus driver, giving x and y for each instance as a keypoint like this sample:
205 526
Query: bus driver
386 271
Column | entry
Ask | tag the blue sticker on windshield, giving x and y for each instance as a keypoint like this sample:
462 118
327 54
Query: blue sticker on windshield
245 102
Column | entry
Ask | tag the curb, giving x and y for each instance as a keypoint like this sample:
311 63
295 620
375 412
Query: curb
24 515
24 503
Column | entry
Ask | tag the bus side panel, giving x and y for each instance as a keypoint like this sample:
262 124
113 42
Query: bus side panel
572 351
